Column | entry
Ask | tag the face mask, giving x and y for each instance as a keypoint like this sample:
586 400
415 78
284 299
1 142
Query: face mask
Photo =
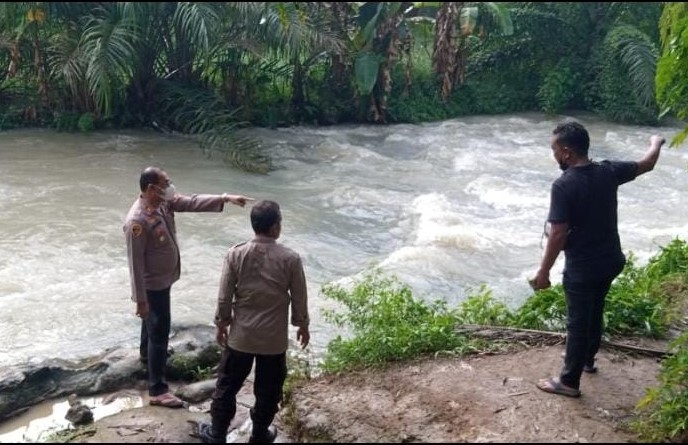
563 166
169 192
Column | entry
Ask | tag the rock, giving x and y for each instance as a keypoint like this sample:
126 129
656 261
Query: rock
196 392
28 384
78 413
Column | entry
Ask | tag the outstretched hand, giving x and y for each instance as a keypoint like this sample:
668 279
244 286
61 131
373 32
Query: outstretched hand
238 200
656 139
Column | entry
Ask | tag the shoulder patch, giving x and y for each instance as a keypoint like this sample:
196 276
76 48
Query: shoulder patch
136 229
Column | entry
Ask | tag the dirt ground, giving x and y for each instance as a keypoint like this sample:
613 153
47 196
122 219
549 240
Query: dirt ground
488 398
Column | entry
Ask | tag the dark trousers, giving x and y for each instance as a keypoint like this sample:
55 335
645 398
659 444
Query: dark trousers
584 324
235 366
155 332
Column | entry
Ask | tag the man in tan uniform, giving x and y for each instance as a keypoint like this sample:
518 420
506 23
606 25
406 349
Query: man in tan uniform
261 280
154 265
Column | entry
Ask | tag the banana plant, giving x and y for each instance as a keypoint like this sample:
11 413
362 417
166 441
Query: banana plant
23 36
382 36
454 23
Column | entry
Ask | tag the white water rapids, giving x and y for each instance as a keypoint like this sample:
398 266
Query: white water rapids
444 206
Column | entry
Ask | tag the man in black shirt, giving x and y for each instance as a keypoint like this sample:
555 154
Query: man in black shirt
583 223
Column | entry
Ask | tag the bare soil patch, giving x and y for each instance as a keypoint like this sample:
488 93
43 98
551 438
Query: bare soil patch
479 399
485 398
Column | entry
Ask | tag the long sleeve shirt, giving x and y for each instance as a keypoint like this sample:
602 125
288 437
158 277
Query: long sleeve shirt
261 280
151 235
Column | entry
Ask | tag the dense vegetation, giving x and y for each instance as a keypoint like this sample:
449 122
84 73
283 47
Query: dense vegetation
208 68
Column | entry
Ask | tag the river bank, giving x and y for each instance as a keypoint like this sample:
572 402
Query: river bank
481 398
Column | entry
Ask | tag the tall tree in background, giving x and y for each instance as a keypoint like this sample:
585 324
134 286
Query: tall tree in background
455 22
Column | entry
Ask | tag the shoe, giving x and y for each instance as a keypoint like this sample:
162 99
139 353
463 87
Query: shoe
554 386
207 435
268 436
167 400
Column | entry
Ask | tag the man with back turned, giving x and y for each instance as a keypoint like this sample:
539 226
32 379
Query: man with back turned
261 280
583 223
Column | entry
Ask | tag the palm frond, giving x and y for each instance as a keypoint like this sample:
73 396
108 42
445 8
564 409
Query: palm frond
639 57
293 28
500 15
66 60
196 21
201 113
108 43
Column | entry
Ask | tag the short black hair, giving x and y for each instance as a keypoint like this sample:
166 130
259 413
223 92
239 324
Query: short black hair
150 175
574 136
264 215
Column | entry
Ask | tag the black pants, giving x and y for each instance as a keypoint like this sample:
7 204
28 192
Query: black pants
155 332
235 366
585 300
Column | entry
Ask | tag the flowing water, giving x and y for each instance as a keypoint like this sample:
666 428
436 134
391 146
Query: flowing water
444 206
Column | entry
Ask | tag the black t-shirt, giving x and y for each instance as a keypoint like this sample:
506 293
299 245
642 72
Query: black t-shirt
585 198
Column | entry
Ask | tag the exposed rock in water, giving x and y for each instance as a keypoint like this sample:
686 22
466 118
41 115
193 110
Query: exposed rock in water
26 385
78 413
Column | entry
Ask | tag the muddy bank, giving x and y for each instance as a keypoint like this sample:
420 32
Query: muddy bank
485 398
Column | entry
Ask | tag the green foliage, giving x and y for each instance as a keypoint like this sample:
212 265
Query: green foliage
69 435
544 310
641 301
644 300
663 410
558 88
671 84
482 309
193 366
424 104
66 121
285 63
388 324
11 117
611 93
86 122
201 373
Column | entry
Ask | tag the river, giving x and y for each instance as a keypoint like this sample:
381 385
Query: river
445 206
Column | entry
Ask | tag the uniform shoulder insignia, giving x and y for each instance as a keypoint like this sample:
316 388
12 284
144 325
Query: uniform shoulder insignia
136 229
239 245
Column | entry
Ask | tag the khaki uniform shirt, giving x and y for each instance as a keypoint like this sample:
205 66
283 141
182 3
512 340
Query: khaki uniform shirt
260 280
152 247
